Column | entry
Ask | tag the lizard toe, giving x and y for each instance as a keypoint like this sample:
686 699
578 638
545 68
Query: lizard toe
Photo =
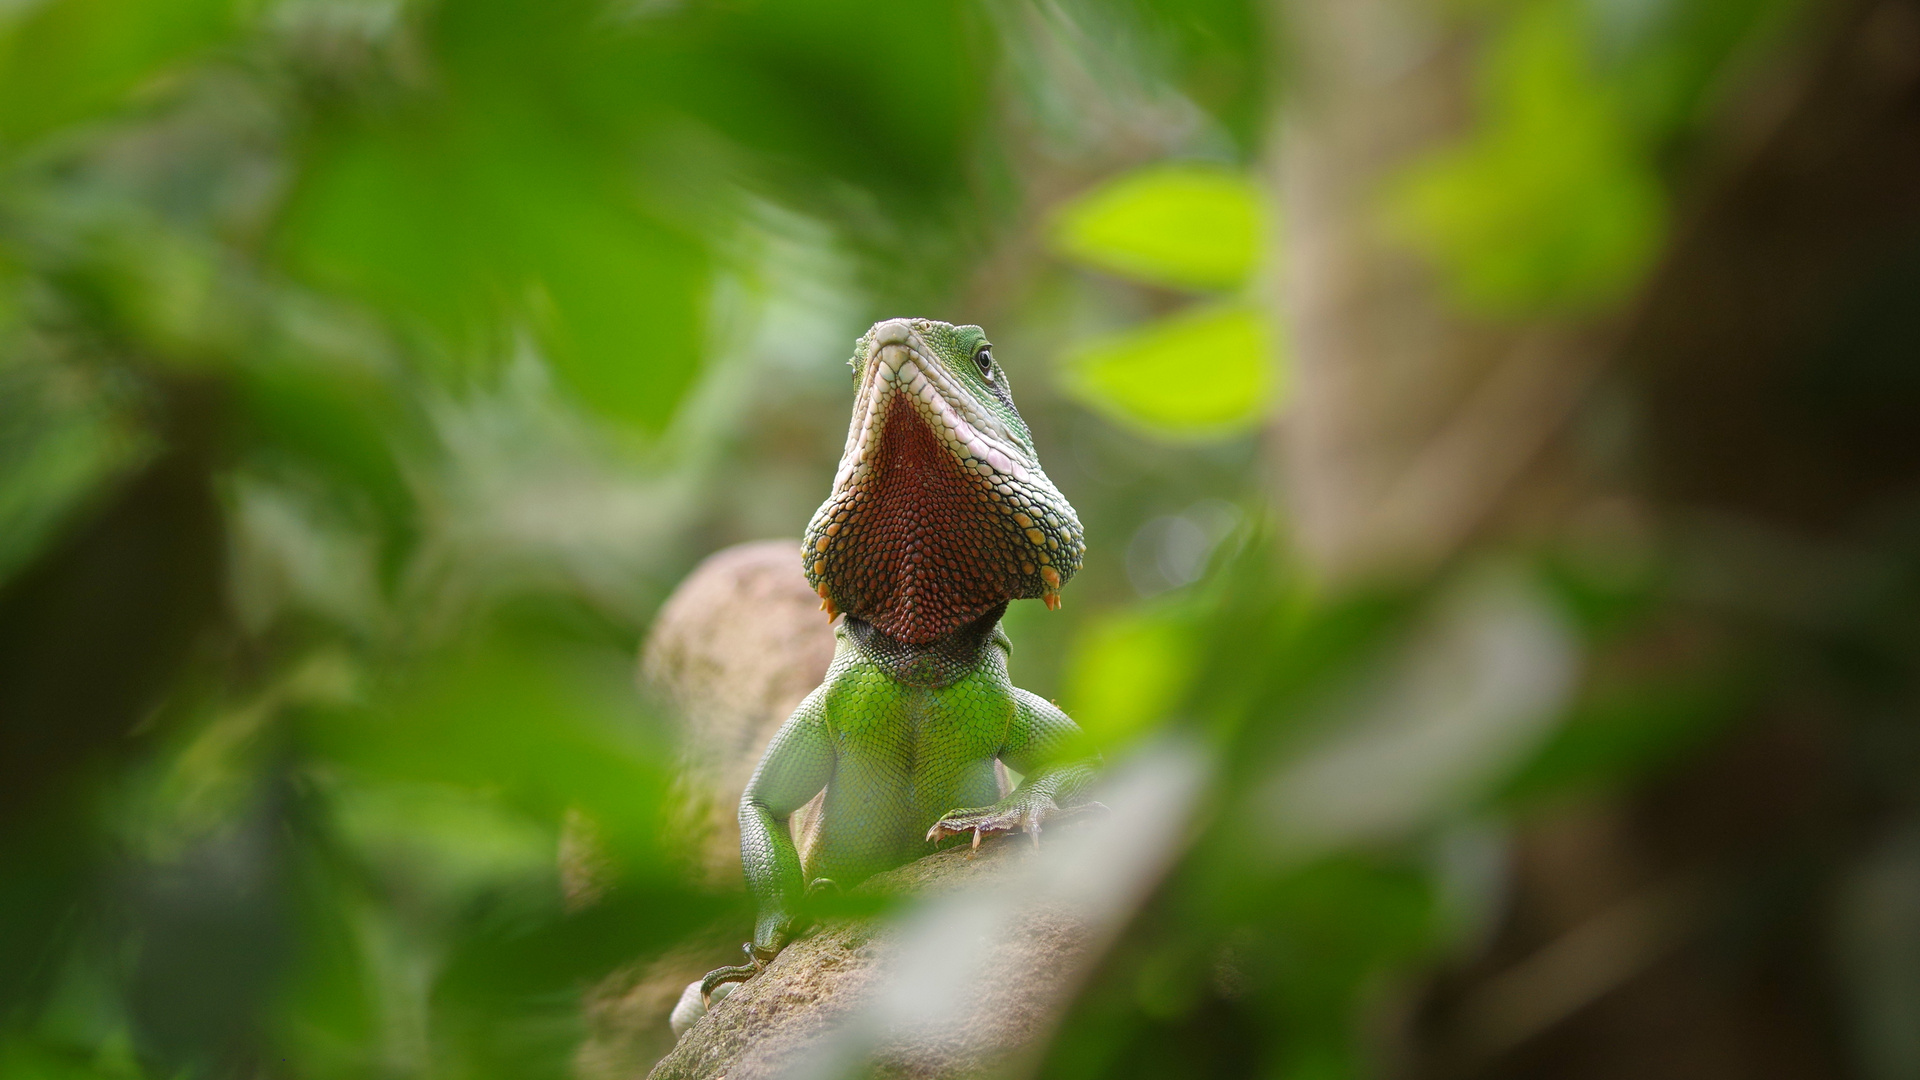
757 960
980 822
721 976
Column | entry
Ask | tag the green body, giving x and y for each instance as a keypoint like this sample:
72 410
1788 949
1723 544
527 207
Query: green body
896 760
939 516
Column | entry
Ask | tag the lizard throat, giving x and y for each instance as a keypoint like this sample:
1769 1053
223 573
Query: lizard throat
934 664
921 545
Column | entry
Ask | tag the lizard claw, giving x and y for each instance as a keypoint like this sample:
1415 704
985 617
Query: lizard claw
756 963
988 820
720 976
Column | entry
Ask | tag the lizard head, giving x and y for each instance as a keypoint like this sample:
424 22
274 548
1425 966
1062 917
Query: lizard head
939 511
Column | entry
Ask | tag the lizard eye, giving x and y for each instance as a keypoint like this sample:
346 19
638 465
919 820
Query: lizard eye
984 358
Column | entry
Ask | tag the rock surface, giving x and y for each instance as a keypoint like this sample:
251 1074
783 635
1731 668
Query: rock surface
834 999
731 653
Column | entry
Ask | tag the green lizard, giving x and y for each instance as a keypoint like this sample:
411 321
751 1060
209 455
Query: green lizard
939 515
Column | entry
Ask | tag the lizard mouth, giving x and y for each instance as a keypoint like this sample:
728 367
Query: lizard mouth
934 519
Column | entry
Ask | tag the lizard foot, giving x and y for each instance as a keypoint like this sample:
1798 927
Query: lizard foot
756 963
1020 817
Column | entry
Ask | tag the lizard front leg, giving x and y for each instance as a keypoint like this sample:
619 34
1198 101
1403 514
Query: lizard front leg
798 763
1045 745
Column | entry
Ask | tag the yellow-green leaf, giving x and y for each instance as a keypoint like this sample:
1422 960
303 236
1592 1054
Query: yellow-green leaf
1203 372
1188 226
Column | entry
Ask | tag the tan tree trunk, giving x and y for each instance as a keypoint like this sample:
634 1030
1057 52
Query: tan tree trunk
1411 423
1417 435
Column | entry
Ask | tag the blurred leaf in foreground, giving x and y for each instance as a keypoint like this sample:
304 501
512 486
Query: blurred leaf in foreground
1200 373
1435 727
1185 226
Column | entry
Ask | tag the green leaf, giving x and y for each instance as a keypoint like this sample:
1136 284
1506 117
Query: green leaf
482 226
1551 205
1203 372
1188 226
66 60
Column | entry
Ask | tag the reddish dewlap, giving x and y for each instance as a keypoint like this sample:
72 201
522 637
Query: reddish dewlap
931 548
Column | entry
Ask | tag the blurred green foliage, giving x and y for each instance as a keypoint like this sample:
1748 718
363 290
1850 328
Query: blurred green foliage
1128 672
1550 204
1553 200
70 63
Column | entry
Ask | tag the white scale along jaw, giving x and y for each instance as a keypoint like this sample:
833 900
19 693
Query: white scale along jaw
940 510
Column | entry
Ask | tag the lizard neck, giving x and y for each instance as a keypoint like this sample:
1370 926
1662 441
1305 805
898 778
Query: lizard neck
934 664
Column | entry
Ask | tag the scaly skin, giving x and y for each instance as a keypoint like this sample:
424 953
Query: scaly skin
940 514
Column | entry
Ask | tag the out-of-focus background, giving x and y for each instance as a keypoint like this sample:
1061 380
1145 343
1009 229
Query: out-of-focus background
1496 425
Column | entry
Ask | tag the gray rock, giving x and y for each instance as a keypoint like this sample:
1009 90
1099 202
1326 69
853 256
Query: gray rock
815 1008
730 655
